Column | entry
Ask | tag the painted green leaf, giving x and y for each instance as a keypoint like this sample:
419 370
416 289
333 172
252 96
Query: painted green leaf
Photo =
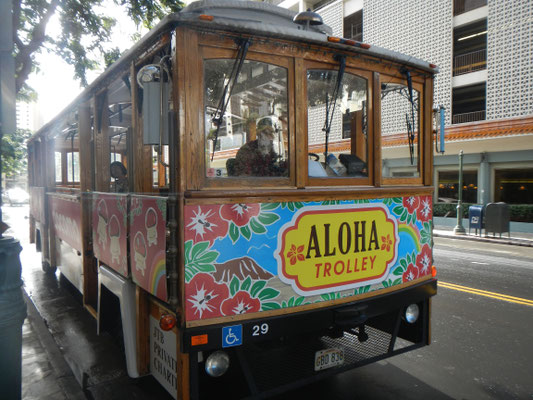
233 232
397 281
403 263
269 206
246 284
268 293
205 268
256 226
267 218
246 232
330 296
398 210
207 258
234 286
299 301
198 248
270 306
256 288
188 275
291 302
385 284
398 271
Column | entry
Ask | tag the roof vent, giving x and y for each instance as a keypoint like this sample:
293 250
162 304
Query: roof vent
307 18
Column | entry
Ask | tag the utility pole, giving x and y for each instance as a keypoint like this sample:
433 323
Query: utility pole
459 229
12 305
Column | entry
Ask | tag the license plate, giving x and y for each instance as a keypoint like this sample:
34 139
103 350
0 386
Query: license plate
328 358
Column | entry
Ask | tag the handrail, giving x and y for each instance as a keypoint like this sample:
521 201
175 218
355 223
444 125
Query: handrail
468 117
470 62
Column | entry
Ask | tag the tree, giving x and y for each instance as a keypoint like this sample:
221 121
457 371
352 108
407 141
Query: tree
14 152
84 31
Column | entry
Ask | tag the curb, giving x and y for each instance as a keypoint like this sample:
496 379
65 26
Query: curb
486 239
64 376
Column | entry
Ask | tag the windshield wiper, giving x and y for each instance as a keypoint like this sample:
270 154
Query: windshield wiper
329 114
410 126
218 115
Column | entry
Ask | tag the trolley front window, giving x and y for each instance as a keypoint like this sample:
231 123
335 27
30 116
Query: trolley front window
400 126
251 138
337 125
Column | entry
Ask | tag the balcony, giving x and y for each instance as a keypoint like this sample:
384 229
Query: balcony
463 6
468 117
470 62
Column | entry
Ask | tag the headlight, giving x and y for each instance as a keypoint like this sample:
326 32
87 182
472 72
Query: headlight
217 364
411 313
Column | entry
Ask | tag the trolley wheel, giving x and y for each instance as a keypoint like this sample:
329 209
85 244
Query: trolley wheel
47 268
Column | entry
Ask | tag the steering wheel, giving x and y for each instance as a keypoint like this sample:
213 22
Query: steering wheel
315 156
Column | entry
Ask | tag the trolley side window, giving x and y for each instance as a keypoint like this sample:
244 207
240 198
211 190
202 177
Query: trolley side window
246 125
338 129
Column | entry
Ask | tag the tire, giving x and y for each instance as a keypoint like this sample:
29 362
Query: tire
47 268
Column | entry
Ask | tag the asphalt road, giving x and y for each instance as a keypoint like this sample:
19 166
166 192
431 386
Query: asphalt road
482 332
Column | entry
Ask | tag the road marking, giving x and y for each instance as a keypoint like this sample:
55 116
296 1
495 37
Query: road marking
480 263
493 295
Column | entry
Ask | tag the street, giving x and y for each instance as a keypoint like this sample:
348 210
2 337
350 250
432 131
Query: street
481 332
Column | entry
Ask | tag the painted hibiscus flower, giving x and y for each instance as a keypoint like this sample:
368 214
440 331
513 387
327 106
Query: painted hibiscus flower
241 303
386 242
240 214
423 212
423 260
204 223
296 254
204 297
410 274
411 203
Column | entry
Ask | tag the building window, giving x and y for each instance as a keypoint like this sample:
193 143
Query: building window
462 6
469 103
514 186
470 48
353 26
449 183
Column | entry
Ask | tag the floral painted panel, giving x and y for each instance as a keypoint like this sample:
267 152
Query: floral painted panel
66 219
244 258
148 217
110 235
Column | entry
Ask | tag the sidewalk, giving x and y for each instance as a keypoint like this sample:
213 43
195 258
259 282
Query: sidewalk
444 227
45 374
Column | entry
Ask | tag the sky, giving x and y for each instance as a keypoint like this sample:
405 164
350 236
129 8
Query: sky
54 83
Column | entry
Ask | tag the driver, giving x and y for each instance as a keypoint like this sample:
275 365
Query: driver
258 158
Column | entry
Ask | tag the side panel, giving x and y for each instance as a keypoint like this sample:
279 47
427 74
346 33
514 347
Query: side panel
247 258
37 203
148 217
110 236
66 219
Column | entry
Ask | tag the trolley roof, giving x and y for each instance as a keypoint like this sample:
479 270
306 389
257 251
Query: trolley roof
239 16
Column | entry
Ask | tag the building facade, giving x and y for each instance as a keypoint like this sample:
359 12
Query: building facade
484 50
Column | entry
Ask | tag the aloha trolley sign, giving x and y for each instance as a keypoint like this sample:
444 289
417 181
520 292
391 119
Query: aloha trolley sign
341 247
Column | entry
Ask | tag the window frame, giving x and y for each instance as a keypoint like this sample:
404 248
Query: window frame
207 52
414 181
343 181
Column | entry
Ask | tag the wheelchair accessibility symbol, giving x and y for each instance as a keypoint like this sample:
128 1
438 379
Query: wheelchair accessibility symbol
232 336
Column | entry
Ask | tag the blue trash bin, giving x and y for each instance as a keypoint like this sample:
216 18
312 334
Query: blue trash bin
475 218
